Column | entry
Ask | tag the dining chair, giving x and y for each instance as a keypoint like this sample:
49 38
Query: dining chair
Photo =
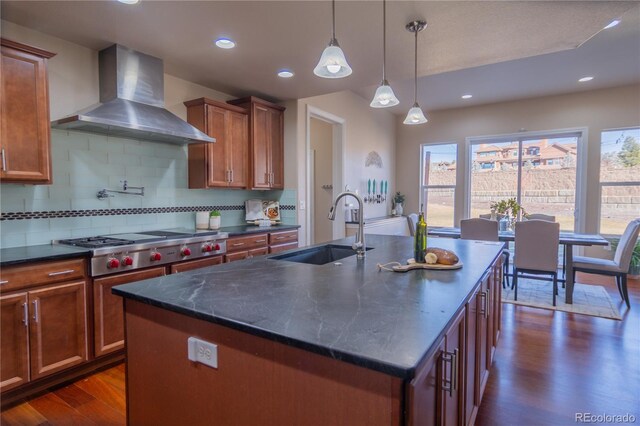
618 267
536 251
484 230
540 216
412 219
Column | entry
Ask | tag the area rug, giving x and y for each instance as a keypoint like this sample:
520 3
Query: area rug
591 300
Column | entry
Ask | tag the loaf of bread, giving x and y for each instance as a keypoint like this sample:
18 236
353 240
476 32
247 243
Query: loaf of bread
445 257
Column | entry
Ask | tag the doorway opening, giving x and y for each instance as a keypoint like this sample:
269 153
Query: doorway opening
325 162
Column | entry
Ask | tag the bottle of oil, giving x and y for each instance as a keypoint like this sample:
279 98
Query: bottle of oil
420 242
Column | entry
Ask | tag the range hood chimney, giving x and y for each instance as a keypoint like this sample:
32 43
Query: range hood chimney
132 102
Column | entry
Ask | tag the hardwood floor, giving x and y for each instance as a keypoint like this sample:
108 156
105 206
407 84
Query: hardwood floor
551 365
548 367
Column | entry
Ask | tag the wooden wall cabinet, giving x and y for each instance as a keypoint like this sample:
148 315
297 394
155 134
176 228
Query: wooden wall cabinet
44 325
25 141
266 136
108 316
225 163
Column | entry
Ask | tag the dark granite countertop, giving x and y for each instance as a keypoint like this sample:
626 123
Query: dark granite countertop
235 231
385 321
17 255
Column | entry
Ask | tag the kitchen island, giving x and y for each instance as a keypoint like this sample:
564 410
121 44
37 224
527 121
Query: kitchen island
316 344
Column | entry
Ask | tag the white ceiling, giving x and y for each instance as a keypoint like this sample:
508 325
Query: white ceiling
469 46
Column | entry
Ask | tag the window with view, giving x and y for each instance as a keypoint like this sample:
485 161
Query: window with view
438 186
619 179
540 172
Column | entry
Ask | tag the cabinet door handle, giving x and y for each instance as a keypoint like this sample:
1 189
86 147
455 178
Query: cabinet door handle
4 282
483 307
35 310
4 161
68 271
486 303
231 174
25 314
451 384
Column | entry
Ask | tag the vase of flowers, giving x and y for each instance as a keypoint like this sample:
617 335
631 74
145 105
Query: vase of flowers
508 208
398 201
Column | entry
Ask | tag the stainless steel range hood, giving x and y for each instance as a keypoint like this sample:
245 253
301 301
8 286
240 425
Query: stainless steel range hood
132 102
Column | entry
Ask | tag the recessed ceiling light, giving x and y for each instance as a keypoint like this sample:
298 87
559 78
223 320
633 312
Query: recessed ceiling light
285 73
612 24
585 79
467 96
225 43
129 1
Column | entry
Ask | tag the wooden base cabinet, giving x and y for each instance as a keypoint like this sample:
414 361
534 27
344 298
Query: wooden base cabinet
44 330
25 146
14 351
108 316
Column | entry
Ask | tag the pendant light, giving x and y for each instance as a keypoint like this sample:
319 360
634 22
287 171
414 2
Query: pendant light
332 63
384 96
415 114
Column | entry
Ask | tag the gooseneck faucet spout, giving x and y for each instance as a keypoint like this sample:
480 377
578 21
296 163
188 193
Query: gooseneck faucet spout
359 246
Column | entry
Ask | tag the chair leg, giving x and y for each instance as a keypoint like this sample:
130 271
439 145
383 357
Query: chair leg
623 284
555 288
564 266
619 284
514 283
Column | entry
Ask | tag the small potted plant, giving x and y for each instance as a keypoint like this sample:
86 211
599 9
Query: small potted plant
214 220
508 208
398 200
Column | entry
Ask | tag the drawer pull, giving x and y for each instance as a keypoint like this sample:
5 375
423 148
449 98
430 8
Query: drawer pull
237 244
280 238
260 241
4 282
68 271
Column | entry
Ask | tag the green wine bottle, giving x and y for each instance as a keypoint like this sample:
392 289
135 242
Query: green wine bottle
420 242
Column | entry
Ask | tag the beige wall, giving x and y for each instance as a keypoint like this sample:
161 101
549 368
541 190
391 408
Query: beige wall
321 142
596 110
73 75
367 129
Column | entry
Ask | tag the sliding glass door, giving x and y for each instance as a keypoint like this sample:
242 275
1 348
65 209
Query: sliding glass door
539 171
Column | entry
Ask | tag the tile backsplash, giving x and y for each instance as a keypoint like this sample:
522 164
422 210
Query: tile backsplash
85 163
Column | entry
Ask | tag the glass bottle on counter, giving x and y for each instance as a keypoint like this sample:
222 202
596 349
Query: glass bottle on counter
420 241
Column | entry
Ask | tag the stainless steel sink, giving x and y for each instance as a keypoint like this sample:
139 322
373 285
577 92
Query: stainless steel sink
320 255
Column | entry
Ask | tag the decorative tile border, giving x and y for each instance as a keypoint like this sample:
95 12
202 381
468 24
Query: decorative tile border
118 212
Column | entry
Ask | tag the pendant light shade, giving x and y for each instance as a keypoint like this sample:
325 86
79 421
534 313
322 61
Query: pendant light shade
415 114
332 63
384 96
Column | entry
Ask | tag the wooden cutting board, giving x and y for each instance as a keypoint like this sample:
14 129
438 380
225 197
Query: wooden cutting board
436 266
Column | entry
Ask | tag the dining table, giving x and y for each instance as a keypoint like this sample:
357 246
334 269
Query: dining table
567 239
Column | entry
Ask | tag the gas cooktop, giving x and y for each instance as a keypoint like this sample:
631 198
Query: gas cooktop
124 252
115 240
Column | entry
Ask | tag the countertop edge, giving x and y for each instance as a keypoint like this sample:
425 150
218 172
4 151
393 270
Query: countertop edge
45 258
396 371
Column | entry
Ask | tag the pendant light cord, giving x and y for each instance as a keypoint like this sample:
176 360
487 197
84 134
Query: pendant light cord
415 72
333 13
384 40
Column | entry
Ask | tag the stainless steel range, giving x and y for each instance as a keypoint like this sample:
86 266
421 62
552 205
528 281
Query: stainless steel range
127 252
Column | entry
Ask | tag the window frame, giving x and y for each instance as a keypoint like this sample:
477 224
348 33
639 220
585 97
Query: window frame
602 184
582 135
423 188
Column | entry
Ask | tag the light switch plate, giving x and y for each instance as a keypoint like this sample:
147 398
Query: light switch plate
302 205
203 352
